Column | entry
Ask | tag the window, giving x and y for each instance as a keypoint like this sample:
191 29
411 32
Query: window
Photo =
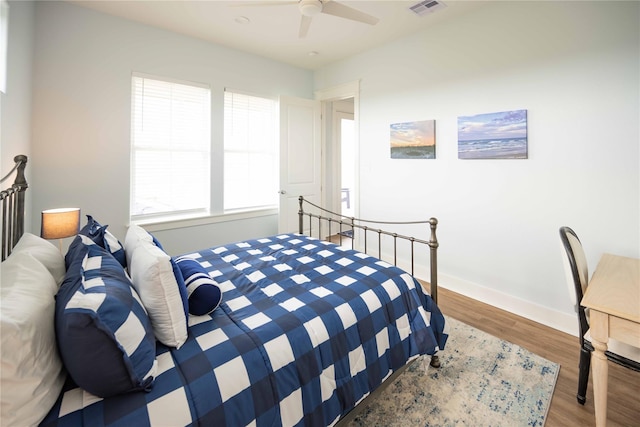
170 147
250 151
4 36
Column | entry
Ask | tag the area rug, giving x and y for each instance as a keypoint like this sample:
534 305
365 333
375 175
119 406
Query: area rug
483 381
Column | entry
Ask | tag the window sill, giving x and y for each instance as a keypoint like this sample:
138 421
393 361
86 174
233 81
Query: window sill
160 224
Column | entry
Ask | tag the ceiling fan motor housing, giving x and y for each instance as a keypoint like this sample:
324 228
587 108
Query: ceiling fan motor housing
310 7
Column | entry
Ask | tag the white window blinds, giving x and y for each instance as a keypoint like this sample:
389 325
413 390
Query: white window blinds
171 144
250 151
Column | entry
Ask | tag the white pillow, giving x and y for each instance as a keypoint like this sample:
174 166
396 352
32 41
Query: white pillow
31 372
134 237
153 278
45 252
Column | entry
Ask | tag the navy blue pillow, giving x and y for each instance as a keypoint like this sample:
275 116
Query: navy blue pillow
204 293
105 239
103 331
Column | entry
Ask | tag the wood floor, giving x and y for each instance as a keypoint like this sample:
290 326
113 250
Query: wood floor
624 384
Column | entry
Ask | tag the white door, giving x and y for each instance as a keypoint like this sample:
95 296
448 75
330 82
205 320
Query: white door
300 158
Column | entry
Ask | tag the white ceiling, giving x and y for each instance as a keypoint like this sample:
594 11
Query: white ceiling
273 29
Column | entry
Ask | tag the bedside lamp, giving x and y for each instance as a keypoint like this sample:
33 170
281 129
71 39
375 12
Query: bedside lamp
60 223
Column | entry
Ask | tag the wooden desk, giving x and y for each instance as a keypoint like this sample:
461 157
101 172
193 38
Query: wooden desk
613 295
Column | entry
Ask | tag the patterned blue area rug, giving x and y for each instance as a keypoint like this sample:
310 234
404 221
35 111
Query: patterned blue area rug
483 381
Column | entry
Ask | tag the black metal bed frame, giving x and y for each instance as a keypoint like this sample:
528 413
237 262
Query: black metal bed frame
13 207
342 224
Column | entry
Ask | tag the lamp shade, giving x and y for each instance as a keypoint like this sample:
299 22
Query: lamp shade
60 223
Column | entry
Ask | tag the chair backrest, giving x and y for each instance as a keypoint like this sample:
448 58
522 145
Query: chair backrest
577 273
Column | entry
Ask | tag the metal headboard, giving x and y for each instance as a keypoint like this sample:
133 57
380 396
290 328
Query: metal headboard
342 224
13 208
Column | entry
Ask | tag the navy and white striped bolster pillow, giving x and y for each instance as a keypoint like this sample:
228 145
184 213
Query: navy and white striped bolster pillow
204 293
105 239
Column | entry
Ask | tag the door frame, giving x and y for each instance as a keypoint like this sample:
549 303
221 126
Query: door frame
326 97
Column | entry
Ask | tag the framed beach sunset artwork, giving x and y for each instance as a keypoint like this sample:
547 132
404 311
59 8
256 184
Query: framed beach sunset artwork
413 140
493 135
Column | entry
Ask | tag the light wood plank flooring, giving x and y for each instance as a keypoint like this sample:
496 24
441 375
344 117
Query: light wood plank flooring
624 384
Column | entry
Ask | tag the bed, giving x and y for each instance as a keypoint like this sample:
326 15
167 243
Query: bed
288 329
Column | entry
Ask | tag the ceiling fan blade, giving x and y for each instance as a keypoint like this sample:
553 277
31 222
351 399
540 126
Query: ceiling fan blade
305 23
343 11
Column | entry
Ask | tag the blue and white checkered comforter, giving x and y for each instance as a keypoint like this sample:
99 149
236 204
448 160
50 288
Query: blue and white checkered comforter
305 331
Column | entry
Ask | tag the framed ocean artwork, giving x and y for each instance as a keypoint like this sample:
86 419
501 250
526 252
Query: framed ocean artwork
413 140
493 135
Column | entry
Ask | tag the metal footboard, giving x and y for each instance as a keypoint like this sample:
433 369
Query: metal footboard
330 224
13 207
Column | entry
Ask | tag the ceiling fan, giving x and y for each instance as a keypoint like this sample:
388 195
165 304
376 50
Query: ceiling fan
310 8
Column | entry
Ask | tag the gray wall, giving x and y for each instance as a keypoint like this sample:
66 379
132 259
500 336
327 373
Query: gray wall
15 104
575 67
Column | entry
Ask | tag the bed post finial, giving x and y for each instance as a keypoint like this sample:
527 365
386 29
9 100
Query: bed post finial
21 163
300 214
433 245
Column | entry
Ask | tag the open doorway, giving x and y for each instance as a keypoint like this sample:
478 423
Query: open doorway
344 131
340 145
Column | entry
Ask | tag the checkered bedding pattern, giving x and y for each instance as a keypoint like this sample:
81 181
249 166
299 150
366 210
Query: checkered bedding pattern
305 331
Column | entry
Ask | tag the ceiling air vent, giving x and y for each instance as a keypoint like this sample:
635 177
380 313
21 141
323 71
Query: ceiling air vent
427 6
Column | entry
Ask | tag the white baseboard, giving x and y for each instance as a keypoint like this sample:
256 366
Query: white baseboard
554 319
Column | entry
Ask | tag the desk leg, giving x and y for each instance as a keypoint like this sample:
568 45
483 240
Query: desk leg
600 383
600 369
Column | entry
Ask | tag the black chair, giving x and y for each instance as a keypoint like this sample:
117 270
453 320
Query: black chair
578 278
